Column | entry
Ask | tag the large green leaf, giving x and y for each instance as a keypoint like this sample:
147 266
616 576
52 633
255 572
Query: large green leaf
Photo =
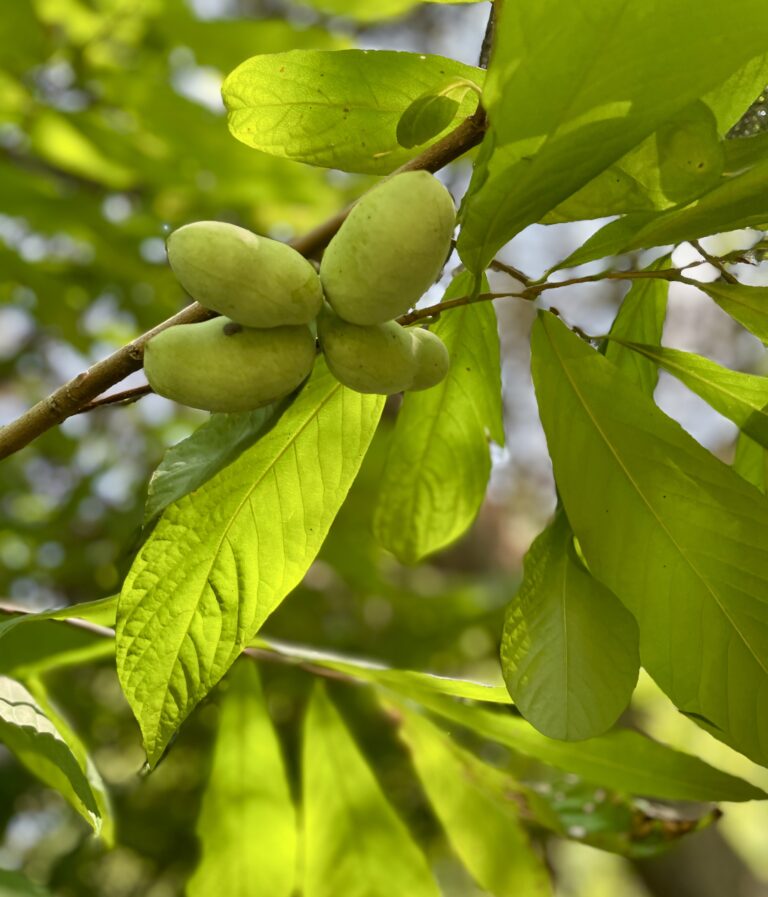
190 463
480 818
29 733
674 533
569 651
221 560
622 760
400 680
438 465
355 844
740 397
337 109
572 87
751 462
747 305
247 822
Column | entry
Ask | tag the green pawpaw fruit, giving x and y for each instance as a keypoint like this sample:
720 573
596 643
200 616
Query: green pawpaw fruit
253 280
379 358
432 359
390 249
222 366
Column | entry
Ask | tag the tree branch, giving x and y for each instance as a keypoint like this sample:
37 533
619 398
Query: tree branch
81 391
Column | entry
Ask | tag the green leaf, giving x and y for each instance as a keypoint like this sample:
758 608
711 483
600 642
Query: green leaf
745 152
740 397
36 643
365 11
221 560
29 733
622 760
400 680
733 97
480 818
335 109
641 317
437 468
355 844
675 534
431 113
747 305
14 884
572 88
569 651
247 822
751 462
190 463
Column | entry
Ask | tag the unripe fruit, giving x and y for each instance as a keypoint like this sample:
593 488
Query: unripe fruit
221 366
390 249
376 359
256 281
432 359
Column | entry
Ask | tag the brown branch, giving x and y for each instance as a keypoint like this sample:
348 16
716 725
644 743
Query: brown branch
126 397
487 45
80 392
715 262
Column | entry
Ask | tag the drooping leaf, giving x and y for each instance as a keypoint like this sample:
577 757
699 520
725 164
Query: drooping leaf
480 818
740 397
247 822
336 109
34 739
745 304
622 760
569 651
106 821
221 560
217 443
571 89
751 462
438 464
355 844
674 533
369 671
641 317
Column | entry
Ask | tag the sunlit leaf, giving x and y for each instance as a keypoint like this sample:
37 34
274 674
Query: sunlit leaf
247 822
438 464
337 109
355 844
221 560
747 305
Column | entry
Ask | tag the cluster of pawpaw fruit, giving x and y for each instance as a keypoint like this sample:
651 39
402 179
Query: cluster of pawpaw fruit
390 249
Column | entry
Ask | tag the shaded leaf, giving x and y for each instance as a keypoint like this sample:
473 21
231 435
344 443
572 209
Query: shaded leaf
480 818
247 822
354 842
751 462
425 118
569 651
674 533
438 464
221 560
336 109
14 884
35 740
192 462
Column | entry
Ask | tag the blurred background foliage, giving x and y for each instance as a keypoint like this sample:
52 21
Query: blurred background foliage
112 133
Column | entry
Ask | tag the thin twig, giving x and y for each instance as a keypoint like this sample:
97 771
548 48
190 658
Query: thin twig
126 397
505 268
87 386
715 262
487 45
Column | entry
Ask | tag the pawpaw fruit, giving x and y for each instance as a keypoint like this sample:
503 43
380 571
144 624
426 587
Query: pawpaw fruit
432 359
378 358
253 280
220 365
390 249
